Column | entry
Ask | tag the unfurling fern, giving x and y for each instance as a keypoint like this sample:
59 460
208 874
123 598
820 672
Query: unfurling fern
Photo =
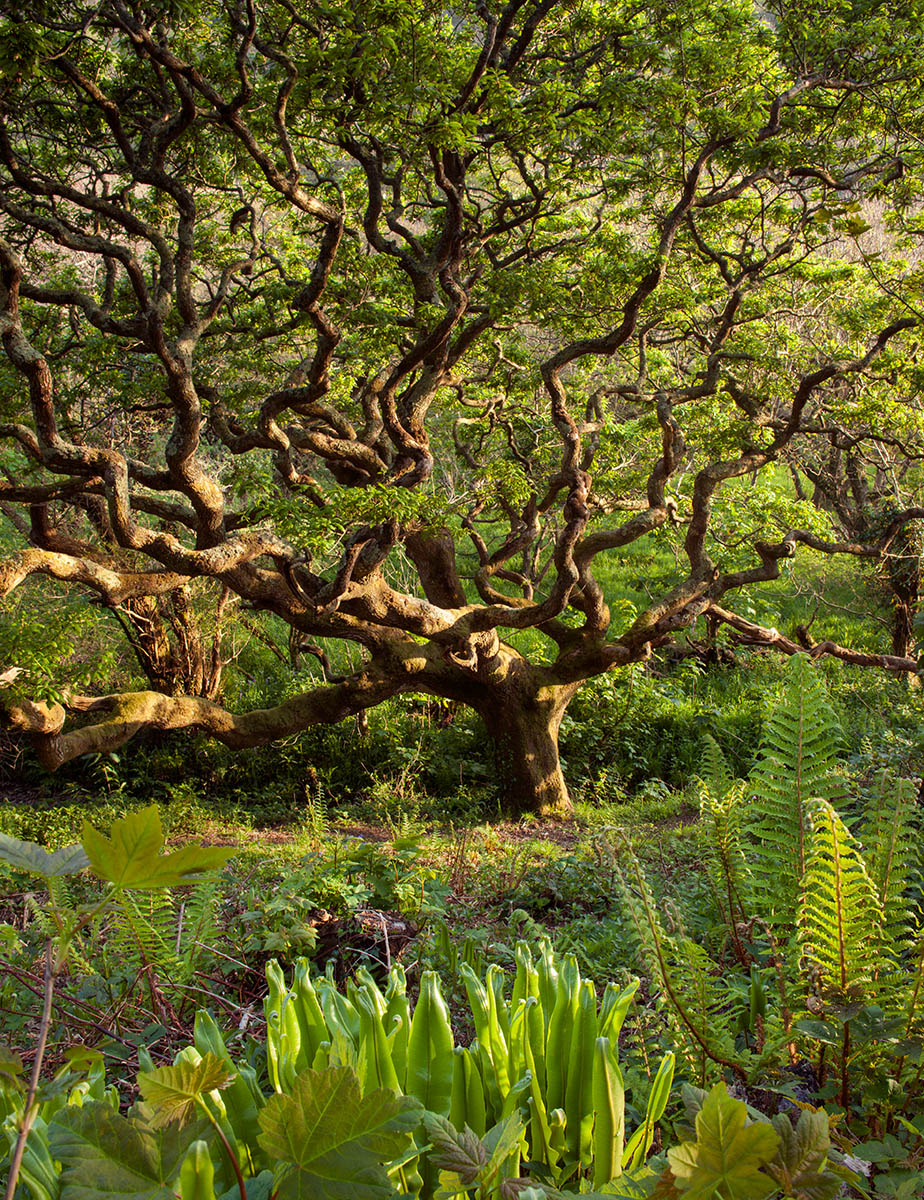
841 925
796 764
721 807
694 996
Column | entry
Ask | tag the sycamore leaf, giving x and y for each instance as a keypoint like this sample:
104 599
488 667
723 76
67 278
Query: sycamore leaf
103 1153
172 1091
29 856
727 1155
131 856
331 1142
800 1162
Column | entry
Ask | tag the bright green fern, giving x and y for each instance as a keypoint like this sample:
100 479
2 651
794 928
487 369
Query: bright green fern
891 840
692 989
797 764
841 926
143 932
722 808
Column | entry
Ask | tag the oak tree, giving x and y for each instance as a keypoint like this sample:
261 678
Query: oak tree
394 320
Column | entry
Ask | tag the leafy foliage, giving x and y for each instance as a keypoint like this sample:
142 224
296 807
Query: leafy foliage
332 1142
728 1154
104 1153
27 856
800 1166
797 764
841 923
694 995
890 832
131 856
172 1092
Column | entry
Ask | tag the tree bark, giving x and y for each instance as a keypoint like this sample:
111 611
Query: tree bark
525 733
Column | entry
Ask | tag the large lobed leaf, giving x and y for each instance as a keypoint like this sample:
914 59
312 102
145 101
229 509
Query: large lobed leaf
29 856
173 1091
330 1141
726 1158
131 856
104 1154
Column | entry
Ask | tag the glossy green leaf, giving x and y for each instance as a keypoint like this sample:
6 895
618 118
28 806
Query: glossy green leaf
197 1174
429 1049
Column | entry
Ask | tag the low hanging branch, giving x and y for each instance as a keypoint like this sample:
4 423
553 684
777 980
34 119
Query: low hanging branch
126 713
759 635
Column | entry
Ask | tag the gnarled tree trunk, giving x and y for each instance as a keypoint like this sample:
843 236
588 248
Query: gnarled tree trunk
164 633
525 732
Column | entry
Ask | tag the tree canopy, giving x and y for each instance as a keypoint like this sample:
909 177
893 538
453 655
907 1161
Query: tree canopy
394 320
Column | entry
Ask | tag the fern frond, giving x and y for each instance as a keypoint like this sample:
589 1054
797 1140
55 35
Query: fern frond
77 961
197 925
841 926
721 809
913 999
797 763
144 930
687 979
891 841
714 770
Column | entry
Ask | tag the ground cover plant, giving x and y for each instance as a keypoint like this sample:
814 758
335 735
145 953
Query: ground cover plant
367 1095
476 934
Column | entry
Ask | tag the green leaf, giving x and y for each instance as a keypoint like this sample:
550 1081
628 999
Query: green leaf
727 1153
331 1142
800 1162
131 857
462 1153
172 1091
29 856
501 1141
258 1188
819 1031
10 1066
103 1153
